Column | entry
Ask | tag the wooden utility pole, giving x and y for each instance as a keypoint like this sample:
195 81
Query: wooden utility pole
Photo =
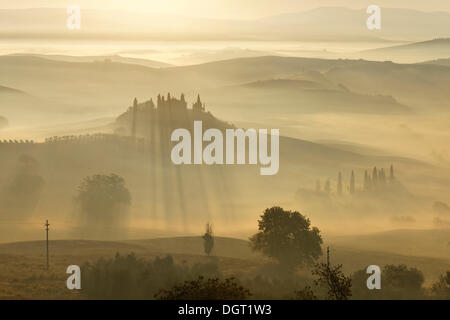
46 229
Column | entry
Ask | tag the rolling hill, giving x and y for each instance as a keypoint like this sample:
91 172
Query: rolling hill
111 58
89 90
234 255
11 91
300 97
430 243
440 62
412 52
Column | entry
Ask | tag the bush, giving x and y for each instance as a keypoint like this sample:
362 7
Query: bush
127 277
397 282
201 289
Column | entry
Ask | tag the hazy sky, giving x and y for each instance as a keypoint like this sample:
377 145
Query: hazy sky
243 9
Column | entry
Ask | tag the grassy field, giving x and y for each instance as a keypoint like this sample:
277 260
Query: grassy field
23 274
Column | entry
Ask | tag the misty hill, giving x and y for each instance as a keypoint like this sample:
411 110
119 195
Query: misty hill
223 247
113 58
21 107
416 85
432 243
155 122
411 52
221 54
317 24
343 22
440 62
6 90
442 44
353 147
153 119
87 90
301 96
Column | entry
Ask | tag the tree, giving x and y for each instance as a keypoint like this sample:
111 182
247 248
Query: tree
23 191
441 288
339 184
287 236
208 239
327 187
134 119
382 177
366 181
402 277
201 289
333 279
318 188
103 200
375 176
397 282
352 183
391 173
132 277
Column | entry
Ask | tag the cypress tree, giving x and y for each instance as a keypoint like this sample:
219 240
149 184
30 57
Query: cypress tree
382 177
366 181
327 187
318 186
134 116
391 173
339 184
352 183
375 176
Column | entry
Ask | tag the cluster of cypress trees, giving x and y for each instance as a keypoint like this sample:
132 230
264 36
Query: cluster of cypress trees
374 181
378 179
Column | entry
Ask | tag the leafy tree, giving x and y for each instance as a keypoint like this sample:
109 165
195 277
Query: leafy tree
287 236
208 239
397 282
23 191
201 289
103 200
403 277
332 278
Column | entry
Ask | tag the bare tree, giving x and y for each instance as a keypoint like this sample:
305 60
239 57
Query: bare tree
333 279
